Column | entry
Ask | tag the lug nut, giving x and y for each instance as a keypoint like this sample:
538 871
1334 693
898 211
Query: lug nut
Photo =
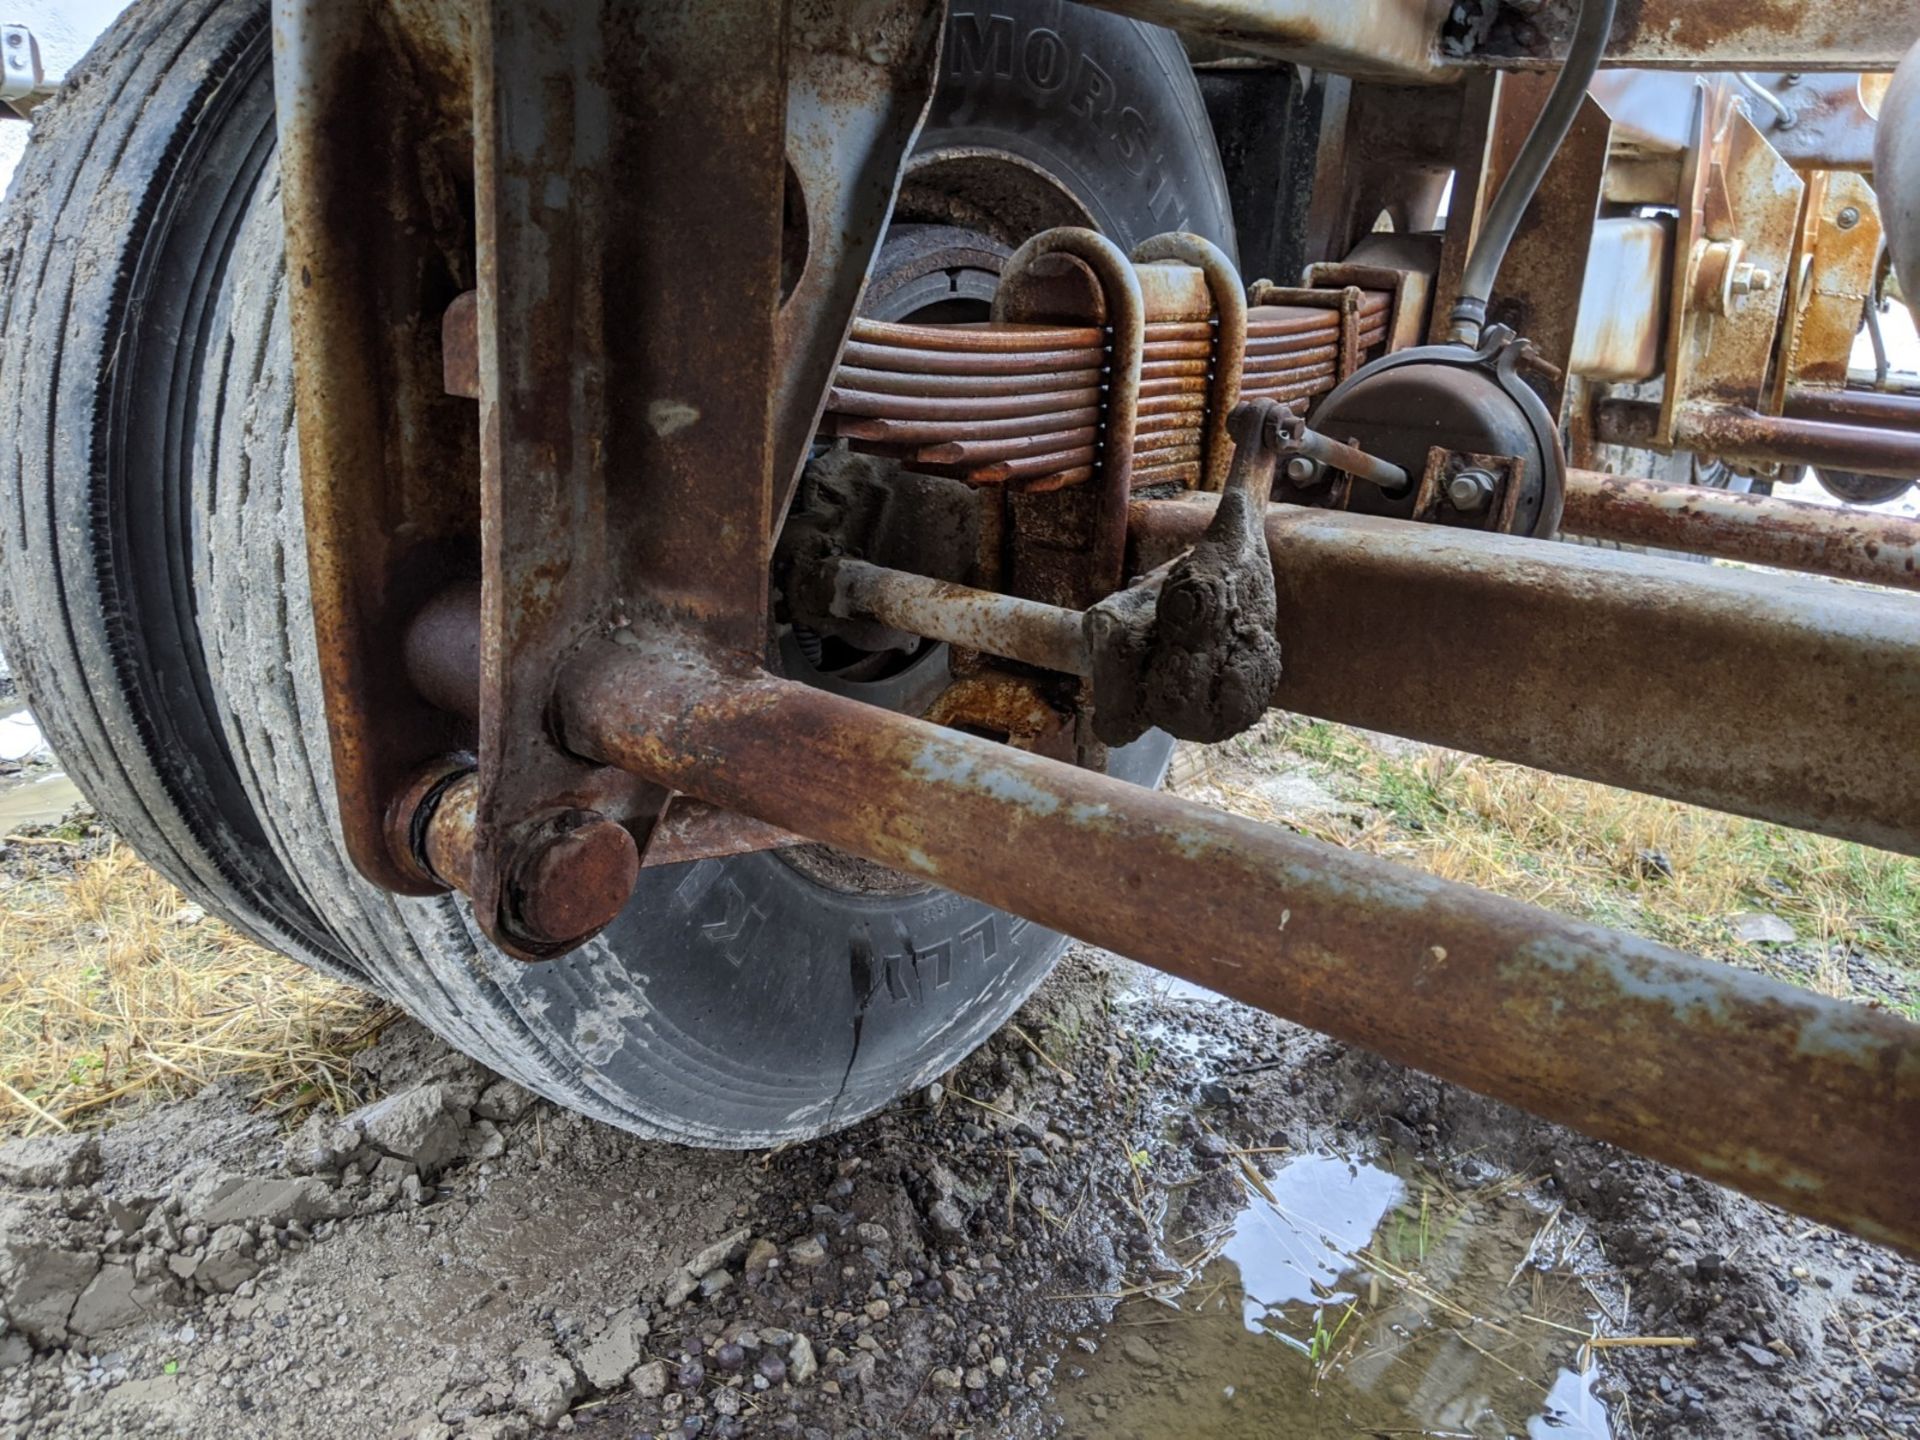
572 877
1470 491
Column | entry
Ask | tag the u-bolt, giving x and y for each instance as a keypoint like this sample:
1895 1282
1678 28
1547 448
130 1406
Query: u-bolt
1229 338
1127 322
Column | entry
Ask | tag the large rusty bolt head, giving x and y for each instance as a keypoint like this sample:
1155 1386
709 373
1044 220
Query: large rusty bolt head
573 875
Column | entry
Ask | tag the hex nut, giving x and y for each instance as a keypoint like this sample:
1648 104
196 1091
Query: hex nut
1471 491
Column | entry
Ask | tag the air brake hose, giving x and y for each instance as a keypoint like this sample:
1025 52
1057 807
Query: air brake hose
1590 34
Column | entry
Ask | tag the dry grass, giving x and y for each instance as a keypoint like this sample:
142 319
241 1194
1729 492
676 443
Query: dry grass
115 990
1674 872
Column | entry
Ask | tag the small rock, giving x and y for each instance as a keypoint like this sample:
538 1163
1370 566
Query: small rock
771 1367
1216 1093
731 1356
878 1309
679 1289
51 1162
228 1261
1762 1357
616 1352
801 1364
976 1378
108 1303
760 1254
649 1381
946 1218
808 1252
714 1281
547 1384
945 1379
1758 928
418 1125
1136 1349
875 1235
724 1251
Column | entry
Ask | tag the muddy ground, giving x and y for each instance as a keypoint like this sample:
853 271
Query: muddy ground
1141 1212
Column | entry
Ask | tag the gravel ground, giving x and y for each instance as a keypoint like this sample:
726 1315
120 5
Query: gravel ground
458 1259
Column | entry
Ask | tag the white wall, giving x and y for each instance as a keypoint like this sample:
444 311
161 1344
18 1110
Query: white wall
65 29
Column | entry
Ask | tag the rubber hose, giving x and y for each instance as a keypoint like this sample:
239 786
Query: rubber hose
1590 34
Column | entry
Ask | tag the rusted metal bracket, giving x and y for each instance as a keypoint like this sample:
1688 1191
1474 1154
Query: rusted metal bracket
1194 652
1739 217
636 431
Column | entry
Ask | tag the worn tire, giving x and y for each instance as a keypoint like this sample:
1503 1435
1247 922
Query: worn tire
154 602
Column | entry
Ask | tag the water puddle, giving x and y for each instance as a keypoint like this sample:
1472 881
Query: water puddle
37 802
37 797
1350 1299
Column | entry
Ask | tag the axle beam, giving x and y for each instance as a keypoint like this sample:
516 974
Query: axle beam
1796 1098
1625 669
1774 696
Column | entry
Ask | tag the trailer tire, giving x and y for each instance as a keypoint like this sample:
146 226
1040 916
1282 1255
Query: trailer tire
153 599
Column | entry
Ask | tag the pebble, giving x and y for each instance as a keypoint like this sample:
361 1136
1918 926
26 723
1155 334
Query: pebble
1759 928
946 1218
801 1364
649 1381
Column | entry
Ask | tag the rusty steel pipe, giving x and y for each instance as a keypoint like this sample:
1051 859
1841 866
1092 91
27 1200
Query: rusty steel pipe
1338 455
1891 409
1794 1097
1005 625
1787 534
1764 439
1608 666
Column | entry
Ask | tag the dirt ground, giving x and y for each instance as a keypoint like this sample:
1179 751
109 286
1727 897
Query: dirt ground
1140 1211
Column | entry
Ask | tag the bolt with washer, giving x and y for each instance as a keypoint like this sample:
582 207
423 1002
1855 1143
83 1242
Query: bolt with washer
1304 470
1848 218
1471 491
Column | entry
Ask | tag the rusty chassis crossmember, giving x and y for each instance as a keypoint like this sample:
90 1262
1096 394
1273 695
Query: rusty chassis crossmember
582 577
